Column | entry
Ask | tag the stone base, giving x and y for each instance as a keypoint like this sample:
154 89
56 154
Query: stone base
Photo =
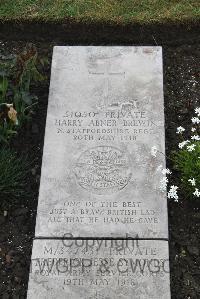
99 269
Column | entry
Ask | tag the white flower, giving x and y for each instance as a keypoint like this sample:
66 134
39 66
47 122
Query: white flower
173 192
195 137
192 181
195 120
197 111
196 192
163 184
182 144
180 130
154 151
191 147
193 129
166 171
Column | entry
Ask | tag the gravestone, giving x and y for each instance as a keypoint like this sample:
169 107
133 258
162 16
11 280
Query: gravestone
101 227
99 269
105 113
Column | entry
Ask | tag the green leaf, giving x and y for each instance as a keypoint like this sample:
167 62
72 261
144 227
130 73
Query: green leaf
3 87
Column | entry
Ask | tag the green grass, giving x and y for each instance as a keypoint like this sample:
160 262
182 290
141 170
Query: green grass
109 11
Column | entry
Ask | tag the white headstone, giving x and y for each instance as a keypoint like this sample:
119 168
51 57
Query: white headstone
105 113
99 269
101 179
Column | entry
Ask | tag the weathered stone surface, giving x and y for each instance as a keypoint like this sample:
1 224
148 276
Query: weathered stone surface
103 269
105 113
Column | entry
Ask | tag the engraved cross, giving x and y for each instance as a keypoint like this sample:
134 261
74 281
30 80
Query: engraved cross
106 74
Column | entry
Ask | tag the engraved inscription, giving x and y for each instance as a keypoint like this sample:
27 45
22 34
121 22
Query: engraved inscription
103 170
105 113
99 269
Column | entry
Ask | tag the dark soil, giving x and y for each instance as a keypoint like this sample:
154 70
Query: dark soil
99 33
17 227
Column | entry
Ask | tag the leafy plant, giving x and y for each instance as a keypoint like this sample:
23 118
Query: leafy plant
17 75
187 163
7 130
13 174
187 159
